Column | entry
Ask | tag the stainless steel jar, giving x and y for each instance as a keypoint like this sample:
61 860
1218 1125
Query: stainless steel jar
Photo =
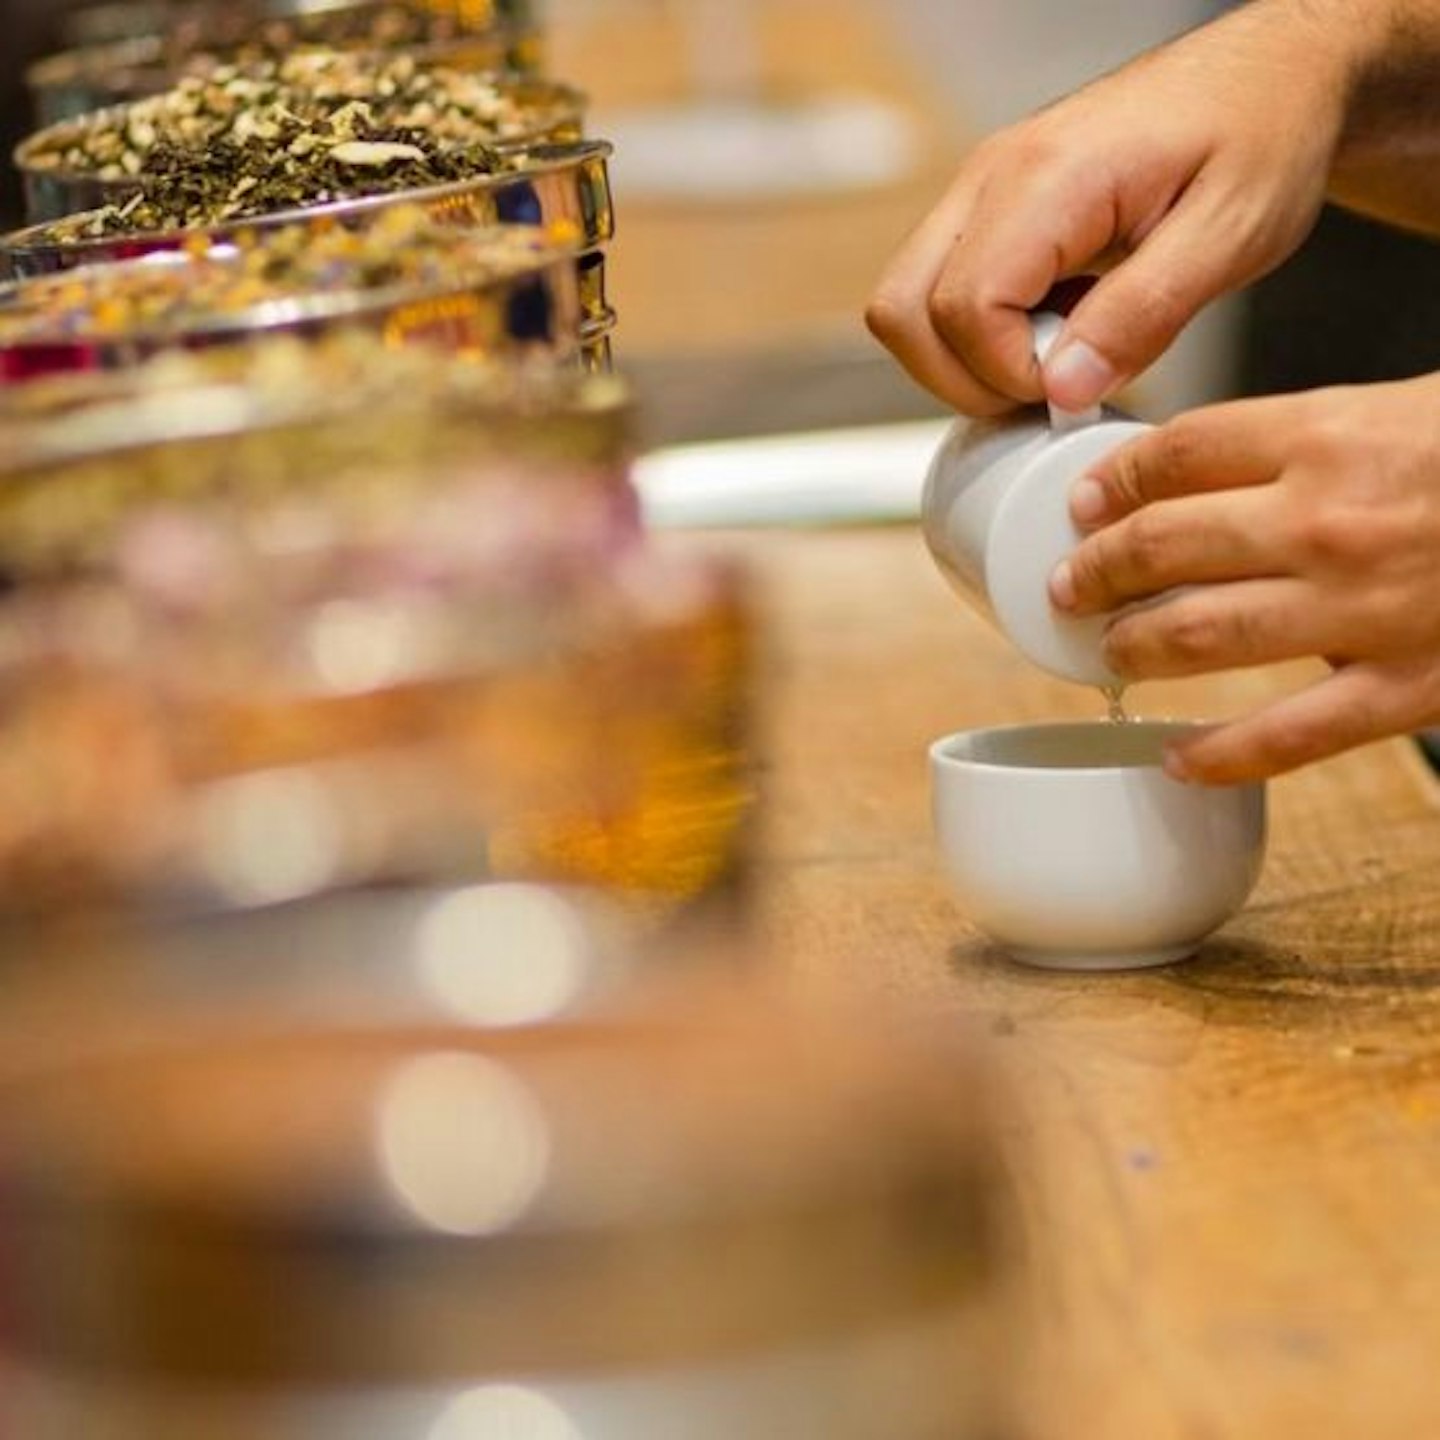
708 1218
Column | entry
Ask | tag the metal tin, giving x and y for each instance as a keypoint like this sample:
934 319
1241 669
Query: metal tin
471 670
709 1218
77 452
52 194
366 965
561 185
535 309
97 77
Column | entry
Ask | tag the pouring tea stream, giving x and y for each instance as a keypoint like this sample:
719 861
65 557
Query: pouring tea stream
1069 845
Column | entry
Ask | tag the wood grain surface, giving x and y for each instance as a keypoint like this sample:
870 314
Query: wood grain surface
1227 1172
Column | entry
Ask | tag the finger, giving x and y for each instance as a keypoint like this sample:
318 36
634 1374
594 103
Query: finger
1224 447
1355 706
1027 230
899 312
1199 539
1220 627
1134 314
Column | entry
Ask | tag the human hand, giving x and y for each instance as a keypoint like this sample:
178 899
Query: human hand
1188 173
1311 526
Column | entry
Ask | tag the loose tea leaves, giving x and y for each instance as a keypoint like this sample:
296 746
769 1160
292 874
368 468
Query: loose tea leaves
214 286
245 33
241 32
315 127
186 188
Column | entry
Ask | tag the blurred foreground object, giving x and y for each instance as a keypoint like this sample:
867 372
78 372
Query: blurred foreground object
272 750
314 619
709 1218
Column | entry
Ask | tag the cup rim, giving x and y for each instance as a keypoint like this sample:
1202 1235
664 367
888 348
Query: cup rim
941 759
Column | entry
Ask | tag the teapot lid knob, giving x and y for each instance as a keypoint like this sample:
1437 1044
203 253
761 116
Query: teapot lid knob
1048 327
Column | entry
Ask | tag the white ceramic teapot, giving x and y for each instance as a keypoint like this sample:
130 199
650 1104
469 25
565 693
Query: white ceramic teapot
996 517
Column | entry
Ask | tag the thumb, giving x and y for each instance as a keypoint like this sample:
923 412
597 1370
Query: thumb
1135 311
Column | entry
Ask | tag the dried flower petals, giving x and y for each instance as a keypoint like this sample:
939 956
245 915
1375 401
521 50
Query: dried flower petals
373 152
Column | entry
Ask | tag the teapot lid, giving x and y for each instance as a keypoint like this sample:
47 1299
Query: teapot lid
1032 533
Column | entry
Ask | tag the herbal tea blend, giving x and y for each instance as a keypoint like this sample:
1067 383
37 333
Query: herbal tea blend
563 187
403 250
194 188
248 31
202 38
315 127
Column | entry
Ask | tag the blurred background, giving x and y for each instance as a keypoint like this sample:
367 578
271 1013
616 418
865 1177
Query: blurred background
772 154
742 300
446 786
743 304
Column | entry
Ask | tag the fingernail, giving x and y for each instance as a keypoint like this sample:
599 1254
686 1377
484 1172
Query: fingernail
1176 768
1062 586
1078 376
1087 501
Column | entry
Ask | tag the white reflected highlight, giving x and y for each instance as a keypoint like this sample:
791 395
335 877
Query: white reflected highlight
504 955
463 1143
357 647
270 837
504 1412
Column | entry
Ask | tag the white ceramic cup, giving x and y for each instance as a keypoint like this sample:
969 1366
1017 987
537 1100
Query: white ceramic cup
996 516
1072 849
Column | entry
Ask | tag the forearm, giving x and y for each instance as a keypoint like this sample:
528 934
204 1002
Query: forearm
1388 160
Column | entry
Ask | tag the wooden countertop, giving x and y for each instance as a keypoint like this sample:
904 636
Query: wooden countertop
1228 1172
